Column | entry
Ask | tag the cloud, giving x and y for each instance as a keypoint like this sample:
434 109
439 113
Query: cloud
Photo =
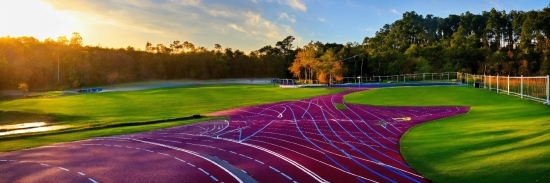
321 19
233 23
266 30
285 16
190 2
394 11
240 29
296 4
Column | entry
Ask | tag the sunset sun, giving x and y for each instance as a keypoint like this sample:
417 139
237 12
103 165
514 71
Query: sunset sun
35 18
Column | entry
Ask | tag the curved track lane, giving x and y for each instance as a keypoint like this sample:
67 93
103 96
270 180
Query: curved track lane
297 141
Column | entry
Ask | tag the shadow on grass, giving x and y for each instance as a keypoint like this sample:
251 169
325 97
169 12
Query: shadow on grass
17 117
98 126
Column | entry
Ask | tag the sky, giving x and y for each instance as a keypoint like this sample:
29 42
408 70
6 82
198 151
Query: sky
246 25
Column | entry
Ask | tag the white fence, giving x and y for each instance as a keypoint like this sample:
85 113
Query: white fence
445 76
534 88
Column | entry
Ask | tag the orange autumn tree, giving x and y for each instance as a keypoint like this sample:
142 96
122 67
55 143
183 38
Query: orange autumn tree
306 62
330 69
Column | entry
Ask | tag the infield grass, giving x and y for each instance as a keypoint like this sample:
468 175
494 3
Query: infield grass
501 139
340 106
93 110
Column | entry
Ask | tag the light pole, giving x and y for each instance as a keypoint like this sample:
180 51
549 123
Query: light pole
57 66
361 72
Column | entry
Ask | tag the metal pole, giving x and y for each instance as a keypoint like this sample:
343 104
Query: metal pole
497 83
521 85
547 90
361 72
508 84
57 66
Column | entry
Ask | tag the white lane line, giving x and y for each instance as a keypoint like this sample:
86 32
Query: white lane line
284 158
92 180
44 164
191 164
292 162
274 169
81 173
164 154
288 177
205 172
193 153
211 176
63 168
318 160
180 159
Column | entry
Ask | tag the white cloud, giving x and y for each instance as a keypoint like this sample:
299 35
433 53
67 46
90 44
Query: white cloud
394 11
368 29
266 30
296 4
218 13
285 16
321 19
200 22
190 2
240 29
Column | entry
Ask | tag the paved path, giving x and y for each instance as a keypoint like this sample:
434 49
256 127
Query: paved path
297 141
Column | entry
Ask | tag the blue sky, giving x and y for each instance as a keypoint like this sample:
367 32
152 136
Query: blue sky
246 25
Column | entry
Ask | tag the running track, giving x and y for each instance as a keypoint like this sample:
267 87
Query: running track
297 141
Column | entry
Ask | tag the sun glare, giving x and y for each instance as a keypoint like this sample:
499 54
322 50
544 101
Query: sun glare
35 18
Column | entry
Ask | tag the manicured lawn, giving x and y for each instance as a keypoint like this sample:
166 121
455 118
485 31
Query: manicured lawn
502 138
89 111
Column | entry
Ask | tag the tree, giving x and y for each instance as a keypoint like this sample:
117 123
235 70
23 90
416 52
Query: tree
330 68
24 88
76 40
306 59
62 40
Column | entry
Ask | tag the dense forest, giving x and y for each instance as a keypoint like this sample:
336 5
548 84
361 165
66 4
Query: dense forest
493 42
65 63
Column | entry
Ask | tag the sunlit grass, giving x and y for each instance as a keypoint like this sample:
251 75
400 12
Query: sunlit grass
502 138
98 110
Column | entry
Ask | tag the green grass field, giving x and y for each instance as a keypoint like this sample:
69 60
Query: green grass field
340 106
501 139
86 112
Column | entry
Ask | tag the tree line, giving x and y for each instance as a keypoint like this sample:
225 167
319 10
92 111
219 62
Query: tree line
493 42
66 63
